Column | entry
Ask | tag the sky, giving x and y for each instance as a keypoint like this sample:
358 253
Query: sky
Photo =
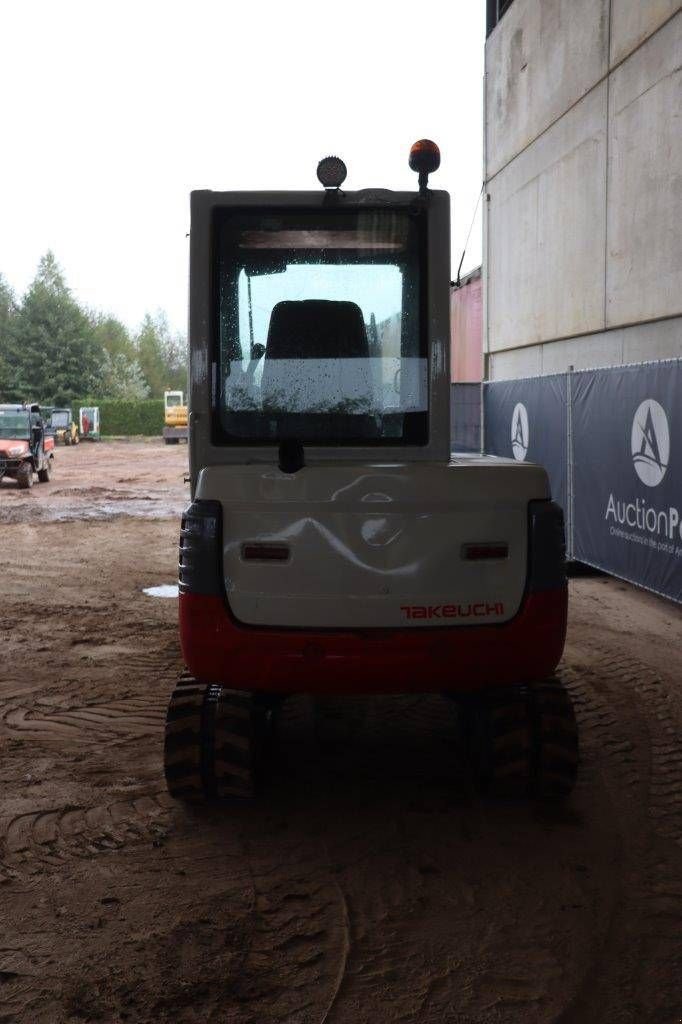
113 113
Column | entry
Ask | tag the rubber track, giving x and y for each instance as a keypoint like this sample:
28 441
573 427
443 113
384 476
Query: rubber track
508 771
182 747
211 743
524 742
234 753
556 750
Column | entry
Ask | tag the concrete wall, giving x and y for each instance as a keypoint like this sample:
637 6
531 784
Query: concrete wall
659 339
546 232
633 21
582 236
540 59
644 258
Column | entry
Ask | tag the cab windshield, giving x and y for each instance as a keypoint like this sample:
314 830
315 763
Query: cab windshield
60 418
320 327
14 425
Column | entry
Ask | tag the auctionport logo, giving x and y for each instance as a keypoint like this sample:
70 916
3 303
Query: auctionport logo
650 442
638 521
519 432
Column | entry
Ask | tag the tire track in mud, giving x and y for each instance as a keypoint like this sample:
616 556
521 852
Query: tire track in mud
299 942
634 701
85 723
631 777
21 972
360 910
629 729
143 939
401 841
40 836
32 839
406 957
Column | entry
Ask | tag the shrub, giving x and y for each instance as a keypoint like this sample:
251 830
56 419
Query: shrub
123 417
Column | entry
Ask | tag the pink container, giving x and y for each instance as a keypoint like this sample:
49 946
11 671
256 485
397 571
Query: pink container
466 330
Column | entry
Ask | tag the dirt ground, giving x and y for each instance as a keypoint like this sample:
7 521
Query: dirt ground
369 884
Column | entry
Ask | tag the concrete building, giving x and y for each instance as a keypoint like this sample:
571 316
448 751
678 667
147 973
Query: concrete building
582 234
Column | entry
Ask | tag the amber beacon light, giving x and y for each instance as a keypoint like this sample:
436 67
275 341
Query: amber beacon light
424 159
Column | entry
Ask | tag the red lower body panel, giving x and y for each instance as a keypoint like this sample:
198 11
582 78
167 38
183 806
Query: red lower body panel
218 649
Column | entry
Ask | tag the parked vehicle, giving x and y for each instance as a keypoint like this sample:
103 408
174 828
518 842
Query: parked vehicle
63 426
88 416
25 447
333 545
175 417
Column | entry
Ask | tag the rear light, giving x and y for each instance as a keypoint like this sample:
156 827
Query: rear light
546 546
483 552
265 553
200 560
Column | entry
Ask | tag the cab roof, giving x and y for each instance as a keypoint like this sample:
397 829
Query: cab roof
29 407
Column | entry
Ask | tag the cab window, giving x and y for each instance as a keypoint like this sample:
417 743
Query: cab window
320 330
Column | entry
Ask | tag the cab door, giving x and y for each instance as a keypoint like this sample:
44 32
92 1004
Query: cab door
37 442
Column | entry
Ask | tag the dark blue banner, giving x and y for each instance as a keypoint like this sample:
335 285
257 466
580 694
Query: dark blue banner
627 473
526 420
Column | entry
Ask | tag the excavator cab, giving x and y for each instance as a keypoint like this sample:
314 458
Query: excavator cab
333 544
63 427
174 416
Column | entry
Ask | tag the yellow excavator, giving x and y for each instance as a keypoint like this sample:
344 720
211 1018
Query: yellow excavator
64 427
175 417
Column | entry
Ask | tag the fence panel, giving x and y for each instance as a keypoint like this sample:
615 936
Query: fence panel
627 473
527 420
465 417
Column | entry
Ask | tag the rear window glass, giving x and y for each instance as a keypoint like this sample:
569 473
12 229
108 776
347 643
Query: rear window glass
320 327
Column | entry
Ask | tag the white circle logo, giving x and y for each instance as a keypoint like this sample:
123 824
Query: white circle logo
650 442
519 432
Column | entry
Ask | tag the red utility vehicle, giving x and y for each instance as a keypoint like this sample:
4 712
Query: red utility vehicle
25 448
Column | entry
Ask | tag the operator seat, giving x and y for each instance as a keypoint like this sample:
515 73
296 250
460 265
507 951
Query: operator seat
316 329
316 362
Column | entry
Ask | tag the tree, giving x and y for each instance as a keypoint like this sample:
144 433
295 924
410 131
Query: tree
150 356
56 358
373 337
121 377
121 374
175 359
52 351
161 355
8 311
112 336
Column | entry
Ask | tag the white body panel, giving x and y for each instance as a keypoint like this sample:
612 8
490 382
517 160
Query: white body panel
371 542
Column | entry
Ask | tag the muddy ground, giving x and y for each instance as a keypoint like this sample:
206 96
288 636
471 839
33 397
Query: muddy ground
370 884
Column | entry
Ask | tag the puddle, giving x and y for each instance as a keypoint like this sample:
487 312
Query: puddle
164 590
62 509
